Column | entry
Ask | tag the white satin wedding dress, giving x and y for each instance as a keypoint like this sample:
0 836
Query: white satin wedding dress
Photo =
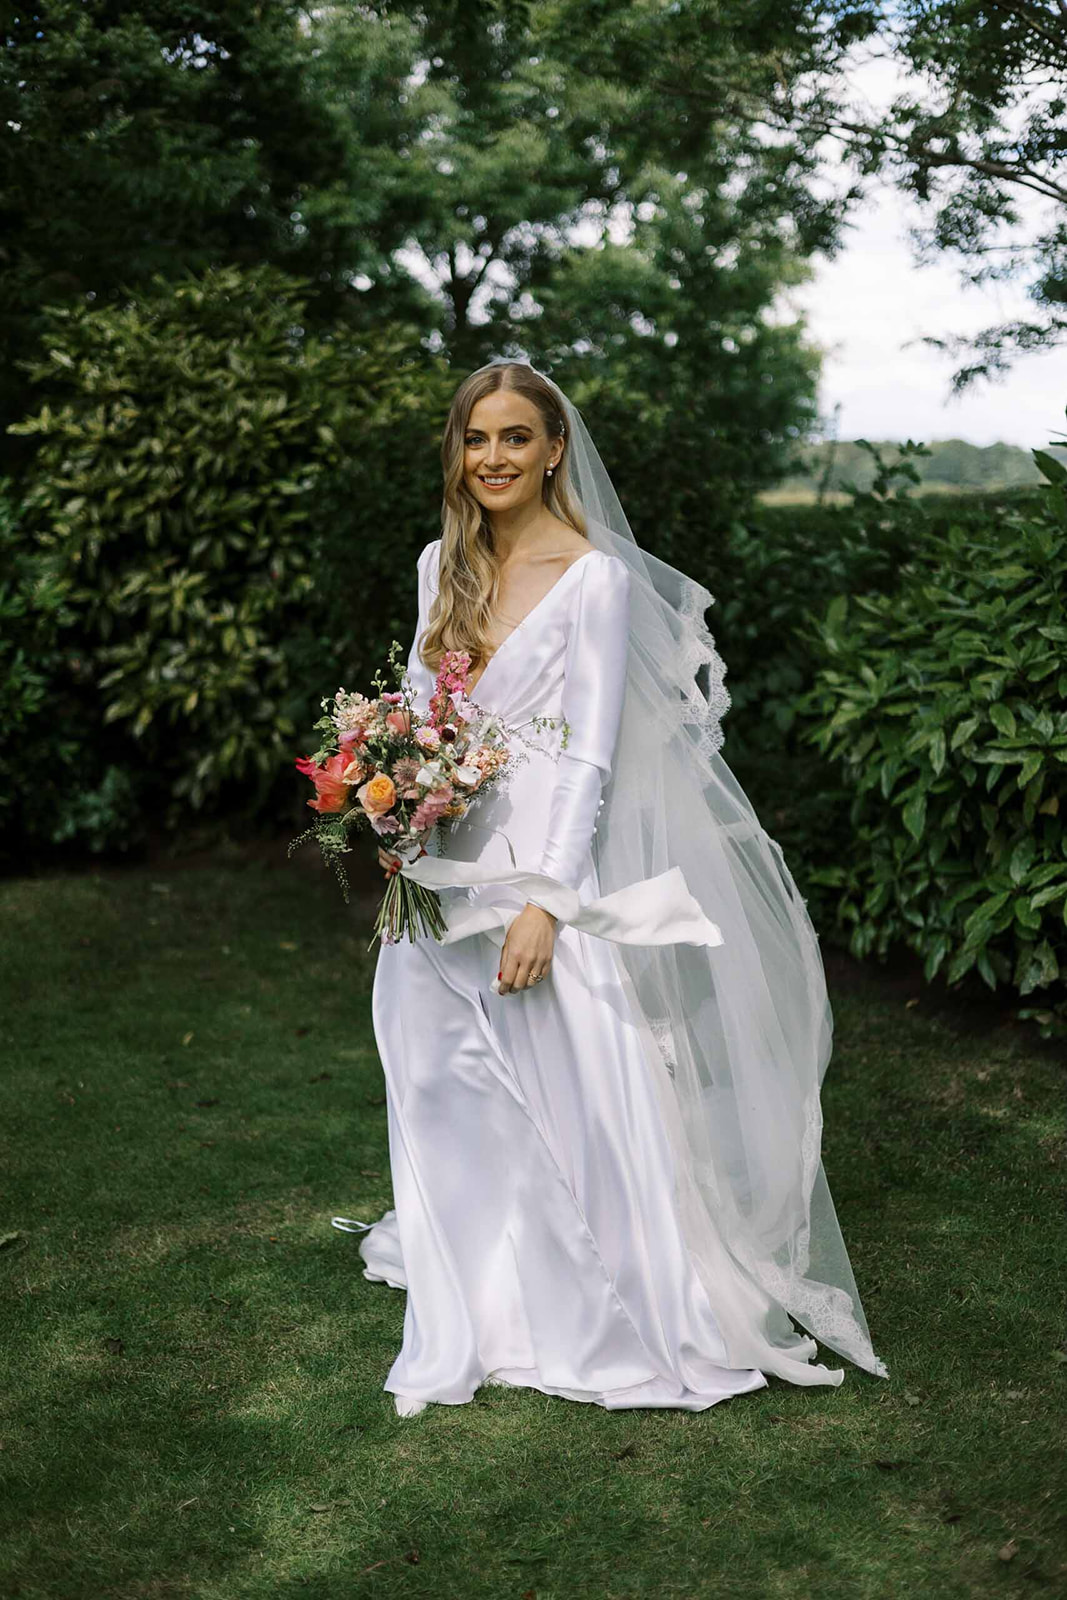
535 1228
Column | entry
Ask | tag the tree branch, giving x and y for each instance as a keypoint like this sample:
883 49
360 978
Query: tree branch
1025 14
1024 176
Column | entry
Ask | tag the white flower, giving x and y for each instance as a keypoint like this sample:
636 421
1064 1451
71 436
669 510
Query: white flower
352 711
467 775
430 774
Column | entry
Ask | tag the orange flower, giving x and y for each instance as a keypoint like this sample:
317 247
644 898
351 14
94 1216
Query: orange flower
331 794
377 795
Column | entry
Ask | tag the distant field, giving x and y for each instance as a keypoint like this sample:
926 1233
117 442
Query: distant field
951 467
837 497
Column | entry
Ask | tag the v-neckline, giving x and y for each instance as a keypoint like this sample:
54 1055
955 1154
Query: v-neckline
520 625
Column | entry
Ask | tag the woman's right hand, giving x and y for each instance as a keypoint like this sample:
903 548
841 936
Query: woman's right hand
389 860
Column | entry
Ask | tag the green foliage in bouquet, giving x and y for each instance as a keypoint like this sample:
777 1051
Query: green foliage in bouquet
945 707
175 472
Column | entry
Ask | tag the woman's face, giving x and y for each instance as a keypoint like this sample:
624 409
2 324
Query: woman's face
506 439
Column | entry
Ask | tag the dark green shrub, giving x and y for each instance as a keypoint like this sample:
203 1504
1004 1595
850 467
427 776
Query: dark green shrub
778 565
173 491
945 707
39 747
771 574
55 785
370 514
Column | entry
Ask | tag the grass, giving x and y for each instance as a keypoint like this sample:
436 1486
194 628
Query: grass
192 1400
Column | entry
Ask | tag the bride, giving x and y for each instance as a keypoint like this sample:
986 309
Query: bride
603 1082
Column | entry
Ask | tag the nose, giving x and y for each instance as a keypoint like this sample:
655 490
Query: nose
488 460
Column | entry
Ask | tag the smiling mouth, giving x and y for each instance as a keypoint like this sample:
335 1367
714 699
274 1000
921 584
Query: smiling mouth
497 483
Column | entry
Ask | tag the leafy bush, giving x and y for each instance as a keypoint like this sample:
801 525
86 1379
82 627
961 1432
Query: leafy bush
778 566
771 574
39 751
173 491
371 513
944 706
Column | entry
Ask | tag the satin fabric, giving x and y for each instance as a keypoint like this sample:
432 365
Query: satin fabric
535 1224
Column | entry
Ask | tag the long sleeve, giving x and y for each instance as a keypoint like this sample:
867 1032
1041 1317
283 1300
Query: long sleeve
593 691
421 678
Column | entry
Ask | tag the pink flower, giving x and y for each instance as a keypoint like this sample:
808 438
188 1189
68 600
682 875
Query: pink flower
430 809
389 824
399 721
429 738
452 673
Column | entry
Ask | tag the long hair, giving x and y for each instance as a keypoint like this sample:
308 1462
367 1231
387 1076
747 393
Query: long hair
461 615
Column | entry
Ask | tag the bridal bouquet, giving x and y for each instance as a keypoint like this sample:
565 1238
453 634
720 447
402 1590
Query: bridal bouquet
383 766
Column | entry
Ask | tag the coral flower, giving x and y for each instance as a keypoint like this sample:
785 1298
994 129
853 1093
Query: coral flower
399 721
331 793
377 795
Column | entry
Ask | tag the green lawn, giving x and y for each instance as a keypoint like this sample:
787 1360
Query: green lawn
192 1396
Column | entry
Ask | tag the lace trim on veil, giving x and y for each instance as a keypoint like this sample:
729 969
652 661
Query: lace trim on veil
696 652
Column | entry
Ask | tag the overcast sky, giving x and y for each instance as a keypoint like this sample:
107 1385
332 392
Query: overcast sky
865 307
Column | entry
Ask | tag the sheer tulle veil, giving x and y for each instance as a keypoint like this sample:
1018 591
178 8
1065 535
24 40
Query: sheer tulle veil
738 1035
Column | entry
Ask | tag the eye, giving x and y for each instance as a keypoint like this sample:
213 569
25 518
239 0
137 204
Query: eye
513 438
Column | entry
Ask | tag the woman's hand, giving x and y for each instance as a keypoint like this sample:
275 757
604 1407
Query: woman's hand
528 949
389 860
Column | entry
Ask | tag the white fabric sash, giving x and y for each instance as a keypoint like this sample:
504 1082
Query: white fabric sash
657 910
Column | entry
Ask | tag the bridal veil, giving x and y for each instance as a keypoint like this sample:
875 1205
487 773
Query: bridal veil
738 1034
737 1030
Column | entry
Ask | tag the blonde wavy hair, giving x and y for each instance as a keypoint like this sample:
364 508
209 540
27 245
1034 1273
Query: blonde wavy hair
461 614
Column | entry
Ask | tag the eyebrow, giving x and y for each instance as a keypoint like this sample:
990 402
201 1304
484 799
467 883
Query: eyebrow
509 429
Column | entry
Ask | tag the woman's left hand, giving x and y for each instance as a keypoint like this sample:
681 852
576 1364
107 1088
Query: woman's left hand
527 951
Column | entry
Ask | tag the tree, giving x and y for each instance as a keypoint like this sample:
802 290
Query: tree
151 138
978 124
452 167
984 127
556 212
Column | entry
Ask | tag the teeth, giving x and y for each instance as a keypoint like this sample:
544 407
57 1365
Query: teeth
498 480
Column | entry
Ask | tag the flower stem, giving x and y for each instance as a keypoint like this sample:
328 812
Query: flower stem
408 909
